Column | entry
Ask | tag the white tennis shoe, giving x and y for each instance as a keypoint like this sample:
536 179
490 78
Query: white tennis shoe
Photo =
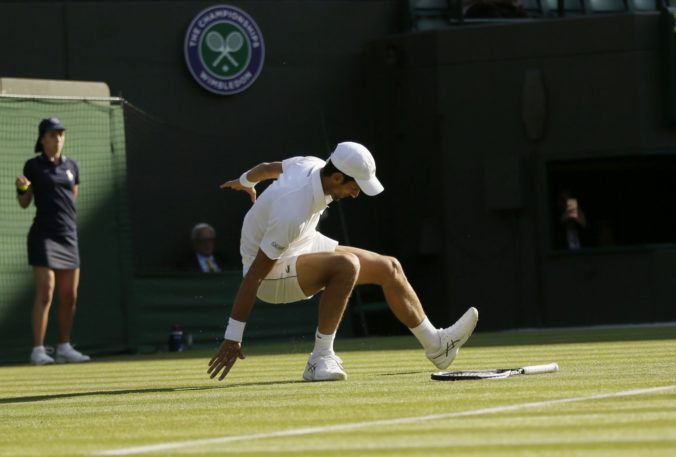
68 354
40 356
324 367
452 338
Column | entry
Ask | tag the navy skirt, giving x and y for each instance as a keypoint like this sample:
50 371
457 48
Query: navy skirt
58 252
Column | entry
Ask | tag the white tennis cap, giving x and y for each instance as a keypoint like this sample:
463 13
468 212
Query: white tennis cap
356 161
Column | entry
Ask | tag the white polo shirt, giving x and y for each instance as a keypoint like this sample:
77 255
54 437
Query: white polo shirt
283 221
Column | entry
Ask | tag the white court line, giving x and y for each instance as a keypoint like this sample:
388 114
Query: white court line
376 423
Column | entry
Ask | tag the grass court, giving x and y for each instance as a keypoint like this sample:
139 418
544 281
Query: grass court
614 396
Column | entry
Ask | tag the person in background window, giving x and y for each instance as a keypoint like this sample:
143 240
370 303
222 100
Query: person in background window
573 221
52 180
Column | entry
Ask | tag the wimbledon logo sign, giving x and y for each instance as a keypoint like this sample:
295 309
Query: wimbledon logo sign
224 49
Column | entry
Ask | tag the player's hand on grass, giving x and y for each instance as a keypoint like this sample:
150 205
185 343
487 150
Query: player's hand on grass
236 185
225 358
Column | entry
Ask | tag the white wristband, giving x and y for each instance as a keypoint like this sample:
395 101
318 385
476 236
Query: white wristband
235 330
244 181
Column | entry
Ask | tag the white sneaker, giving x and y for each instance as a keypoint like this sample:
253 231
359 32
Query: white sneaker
324 367
67 354
452 338
40 356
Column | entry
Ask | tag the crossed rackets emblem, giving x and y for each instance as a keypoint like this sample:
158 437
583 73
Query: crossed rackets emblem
225 47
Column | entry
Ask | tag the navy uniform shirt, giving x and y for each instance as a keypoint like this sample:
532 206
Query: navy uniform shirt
53 185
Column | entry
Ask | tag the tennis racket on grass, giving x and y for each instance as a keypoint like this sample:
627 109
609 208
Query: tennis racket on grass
501 373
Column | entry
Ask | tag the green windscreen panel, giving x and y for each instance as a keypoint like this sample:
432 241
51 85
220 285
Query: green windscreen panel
95 139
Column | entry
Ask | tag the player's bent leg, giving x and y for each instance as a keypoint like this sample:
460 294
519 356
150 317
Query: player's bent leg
337 274
334 272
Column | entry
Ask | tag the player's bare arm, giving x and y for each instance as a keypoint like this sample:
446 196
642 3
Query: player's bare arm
231 350
26 196
261 172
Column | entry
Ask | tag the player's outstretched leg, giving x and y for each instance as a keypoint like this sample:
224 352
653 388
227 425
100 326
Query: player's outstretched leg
452 338
441 345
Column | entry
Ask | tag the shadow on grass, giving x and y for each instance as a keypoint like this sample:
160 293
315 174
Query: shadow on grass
403 373
36 398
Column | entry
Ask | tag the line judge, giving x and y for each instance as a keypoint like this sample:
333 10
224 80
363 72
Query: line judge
52 180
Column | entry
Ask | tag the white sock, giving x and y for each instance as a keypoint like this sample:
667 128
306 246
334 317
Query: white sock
323 343
39 349
63 347
427 334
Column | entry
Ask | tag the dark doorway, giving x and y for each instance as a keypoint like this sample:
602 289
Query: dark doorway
619 201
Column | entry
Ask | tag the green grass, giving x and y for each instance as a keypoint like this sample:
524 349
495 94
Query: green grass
130 401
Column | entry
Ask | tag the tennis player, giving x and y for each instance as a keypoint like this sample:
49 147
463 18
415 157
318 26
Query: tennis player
52 180
286 259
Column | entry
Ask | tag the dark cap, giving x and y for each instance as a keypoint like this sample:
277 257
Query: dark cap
50 123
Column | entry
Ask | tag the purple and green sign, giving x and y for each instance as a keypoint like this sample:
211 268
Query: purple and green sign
224 49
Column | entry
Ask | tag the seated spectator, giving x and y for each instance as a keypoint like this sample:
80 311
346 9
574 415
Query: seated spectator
203 259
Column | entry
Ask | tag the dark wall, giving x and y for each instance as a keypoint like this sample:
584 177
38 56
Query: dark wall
308 97
485 109
463 123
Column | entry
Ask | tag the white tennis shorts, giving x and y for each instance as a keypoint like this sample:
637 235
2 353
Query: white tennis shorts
281 284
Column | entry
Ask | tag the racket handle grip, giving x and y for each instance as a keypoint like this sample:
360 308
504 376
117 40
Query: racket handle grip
535 369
